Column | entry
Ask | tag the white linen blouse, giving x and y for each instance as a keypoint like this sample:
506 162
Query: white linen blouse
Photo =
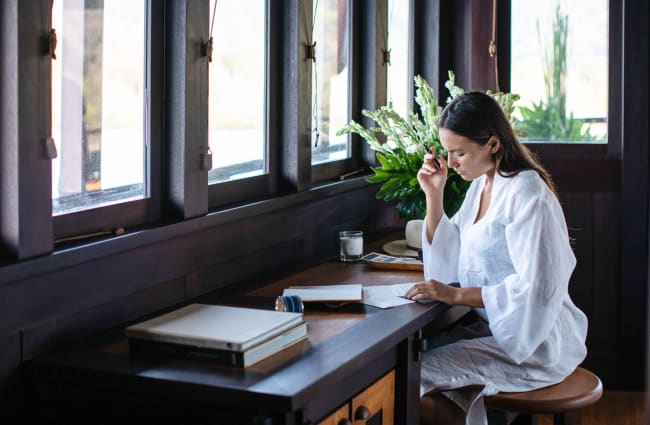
520 256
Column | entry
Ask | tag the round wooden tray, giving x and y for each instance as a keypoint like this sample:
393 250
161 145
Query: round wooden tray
399 248
396 266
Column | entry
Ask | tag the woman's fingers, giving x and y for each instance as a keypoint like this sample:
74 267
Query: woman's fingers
418 290
413 290
430 166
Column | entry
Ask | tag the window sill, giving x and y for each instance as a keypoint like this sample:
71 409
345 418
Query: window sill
87 251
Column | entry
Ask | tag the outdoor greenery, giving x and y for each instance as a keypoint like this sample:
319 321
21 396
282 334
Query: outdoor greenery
401 142
548 119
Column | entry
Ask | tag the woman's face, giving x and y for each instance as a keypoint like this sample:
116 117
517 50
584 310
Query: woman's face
468 158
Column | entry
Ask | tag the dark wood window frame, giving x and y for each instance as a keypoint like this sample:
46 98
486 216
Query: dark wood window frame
289 102
258 187
141 211
578 166
333 169
25 121
443 44
177 97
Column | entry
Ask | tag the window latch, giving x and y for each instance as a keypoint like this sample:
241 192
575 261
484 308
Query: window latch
206 160
49 148
208 49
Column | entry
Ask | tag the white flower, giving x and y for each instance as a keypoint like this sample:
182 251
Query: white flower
413 148
391 144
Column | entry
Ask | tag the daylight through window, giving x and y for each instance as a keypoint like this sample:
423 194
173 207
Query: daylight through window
98 103
560 69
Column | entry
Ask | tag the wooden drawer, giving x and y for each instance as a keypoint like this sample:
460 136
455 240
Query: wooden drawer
373 406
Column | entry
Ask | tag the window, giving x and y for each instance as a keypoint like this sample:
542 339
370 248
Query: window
237 89
399 81
99 97
560 69
330 80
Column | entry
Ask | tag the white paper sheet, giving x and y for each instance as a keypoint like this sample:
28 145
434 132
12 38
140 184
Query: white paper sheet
385 296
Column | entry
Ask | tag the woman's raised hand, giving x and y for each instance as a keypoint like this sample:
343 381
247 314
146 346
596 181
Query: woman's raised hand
431 177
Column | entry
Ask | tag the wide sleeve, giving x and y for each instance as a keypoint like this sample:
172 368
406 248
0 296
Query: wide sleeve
522 309
440 257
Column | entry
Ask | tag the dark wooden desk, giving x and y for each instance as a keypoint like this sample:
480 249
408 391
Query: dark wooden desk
348 348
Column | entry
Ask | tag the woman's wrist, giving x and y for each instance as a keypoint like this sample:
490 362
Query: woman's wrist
436 197
471 297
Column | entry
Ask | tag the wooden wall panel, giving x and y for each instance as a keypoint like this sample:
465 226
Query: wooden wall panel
245 268
64 329
593 219
9 356
578 209
9 383
604 318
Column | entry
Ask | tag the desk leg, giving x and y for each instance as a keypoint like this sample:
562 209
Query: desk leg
407 382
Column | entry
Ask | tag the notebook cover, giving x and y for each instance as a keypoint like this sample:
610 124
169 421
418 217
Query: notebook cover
215 326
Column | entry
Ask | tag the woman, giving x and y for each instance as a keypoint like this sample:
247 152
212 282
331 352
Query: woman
509 250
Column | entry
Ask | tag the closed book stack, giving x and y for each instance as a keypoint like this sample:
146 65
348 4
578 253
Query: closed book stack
235 336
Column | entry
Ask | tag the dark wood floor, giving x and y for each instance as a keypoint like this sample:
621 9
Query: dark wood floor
614 408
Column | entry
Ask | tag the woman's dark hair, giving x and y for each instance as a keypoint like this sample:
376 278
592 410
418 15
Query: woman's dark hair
478 117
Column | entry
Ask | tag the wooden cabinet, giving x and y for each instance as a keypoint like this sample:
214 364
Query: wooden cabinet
373 406
339 417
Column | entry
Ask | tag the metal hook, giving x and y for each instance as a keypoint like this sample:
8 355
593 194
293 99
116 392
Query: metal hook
311 51
52 42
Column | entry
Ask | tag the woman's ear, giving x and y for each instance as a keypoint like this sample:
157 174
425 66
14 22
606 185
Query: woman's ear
495 144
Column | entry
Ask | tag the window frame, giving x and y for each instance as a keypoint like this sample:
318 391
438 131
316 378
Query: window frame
25 169
176 78
141 211
552 151
334 170
256 187
410 54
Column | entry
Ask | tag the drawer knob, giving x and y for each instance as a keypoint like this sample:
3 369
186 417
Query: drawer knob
362 413
345 422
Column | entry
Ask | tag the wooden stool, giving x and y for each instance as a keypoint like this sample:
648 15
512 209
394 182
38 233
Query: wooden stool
580 389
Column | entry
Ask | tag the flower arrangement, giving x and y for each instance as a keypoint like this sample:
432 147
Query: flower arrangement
407 139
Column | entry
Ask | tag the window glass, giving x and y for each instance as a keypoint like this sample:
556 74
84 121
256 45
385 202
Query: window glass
330 80
398 43
98 103
560 69
237 90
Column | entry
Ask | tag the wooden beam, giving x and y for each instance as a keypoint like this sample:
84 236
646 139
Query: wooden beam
25 122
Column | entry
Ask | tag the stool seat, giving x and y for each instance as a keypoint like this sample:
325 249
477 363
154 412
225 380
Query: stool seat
580 389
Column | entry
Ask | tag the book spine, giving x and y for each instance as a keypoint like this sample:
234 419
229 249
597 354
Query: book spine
181 340
224 357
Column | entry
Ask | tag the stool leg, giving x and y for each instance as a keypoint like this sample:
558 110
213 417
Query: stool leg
543 419
559 419
497 417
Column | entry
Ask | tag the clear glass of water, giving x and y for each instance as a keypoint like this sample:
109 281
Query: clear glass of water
351 245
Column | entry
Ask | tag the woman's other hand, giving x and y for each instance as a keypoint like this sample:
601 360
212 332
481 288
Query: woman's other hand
433 290
432 177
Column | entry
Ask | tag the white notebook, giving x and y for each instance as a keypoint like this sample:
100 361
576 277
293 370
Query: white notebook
349 292
216 326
